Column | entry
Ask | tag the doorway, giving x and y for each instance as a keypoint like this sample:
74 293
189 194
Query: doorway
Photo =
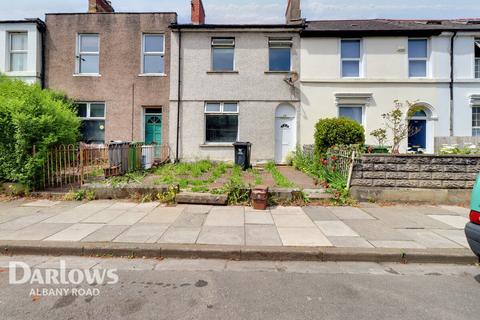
285 132
417 126
153 128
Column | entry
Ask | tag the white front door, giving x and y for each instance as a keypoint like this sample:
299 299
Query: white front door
284 138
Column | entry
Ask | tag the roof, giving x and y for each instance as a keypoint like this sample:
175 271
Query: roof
106 13
236 26
388 27
40 24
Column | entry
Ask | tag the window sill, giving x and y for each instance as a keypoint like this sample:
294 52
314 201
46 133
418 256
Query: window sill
97 75
278 72
222 72
152 75
217 145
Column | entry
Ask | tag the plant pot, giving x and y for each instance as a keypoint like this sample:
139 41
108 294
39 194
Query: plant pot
380 149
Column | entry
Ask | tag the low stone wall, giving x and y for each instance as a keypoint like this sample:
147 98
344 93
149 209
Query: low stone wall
422 178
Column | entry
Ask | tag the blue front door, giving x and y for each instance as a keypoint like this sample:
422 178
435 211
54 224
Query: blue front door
418 137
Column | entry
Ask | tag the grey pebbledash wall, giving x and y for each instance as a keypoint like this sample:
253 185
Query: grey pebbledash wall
415 178
416 171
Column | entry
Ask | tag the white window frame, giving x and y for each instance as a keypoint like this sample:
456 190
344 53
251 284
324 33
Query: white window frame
11 51
281 43
426 59
223 45
79 54
152 53
221 112
476 60
353 106
88 104
359 59
475 127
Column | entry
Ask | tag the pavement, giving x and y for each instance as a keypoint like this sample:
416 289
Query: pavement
225 289
370 229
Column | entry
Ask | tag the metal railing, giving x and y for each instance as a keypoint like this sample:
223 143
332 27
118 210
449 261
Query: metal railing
344 160
477 68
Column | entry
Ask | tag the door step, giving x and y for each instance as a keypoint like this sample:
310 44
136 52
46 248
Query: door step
317 194
201 198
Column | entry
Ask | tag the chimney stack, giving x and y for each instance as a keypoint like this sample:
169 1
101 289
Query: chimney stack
198 12
100 6
293 14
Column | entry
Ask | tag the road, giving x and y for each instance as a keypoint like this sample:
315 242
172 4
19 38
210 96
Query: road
214 289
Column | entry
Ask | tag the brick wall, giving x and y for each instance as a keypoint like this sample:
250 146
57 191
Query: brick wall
416 171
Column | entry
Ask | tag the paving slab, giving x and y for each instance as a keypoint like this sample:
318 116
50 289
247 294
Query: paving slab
181 235
393 218
105 234
424 220
396 244
428 210
75 215
25 221
258 217
287 210
222 235
104 216
335 229
303 237
429 239
226 217
457 236
262 235
202 209
163 215
465 212
293 221
123 205
350 213
456 222
320 214
142 233
128 218
190 265
144 207
36 232
375 230
189 219
75 232
44 203
350 242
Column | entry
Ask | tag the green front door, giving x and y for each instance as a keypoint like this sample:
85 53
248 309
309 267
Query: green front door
153 131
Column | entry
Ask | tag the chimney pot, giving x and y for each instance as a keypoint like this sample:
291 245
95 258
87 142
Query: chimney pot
294 13
100 6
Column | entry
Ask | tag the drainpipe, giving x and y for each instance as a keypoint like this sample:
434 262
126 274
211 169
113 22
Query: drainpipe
179 92
452 64
43 30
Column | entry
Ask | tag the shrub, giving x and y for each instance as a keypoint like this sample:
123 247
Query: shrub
337 131
30 116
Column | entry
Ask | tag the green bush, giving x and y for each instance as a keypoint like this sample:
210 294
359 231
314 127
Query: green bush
30 116
337 131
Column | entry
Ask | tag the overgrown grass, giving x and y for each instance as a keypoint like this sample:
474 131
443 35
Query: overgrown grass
129 177
256 176
278 177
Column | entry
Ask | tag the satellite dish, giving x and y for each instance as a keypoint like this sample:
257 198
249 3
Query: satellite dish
291 78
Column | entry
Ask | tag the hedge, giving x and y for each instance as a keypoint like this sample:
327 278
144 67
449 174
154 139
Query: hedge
337 131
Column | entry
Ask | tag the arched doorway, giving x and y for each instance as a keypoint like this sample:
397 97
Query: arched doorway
420 137
285 132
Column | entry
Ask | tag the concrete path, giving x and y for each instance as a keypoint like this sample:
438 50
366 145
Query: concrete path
412 227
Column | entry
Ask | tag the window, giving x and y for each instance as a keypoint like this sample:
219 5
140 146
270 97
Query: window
221 122
93 121
351 112
476 121
417 57
280 54
223 52
88 54
18 47
477 58
153 54
350 54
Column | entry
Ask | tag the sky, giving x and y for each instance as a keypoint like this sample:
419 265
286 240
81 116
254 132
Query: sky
260 11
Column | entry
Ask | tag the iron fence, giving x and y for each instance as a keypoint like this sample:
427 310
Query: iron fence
344 160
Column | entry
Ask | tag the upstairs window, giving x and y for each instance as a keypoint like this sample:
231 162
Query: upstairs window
153 54
351 112
417 58
221 122
93 121
477 58
350 55
280 54
88 54
223 54
18 49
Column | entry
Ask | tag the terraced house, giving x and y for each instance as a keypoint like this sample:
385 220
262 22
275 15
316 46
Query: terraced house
116 66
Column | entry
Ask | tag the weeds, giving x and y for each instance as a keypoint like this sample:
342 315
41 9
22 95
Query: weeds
278 177
168 197
80 195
